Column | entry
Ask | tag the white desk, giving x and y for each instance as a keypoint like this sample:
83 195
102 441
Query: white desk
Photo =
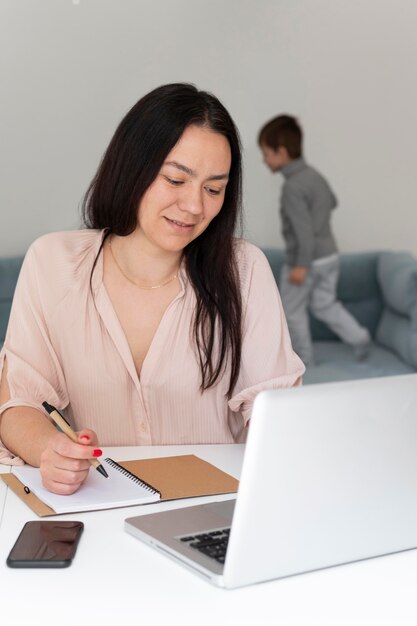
115 578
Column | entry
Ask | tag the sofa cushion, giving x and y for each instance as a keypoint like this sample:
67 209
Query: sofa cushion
357 289
397 330
336 361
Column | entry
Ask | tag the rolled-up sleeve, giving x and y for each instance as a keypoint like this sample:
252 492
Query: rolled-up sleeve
268 360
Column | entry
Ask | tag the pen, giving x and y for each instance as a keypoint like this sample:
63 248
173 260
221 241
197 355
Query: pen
62 423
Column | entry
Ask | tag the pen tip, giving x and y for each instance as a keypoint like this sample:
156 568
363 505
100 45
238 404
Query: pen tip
102 471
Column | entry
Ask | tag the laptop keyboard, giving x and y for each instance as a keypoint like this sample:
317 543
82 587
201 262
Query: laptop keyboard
212 543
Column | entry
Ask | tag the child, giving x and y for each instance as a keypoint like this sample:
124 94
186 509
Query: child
310 273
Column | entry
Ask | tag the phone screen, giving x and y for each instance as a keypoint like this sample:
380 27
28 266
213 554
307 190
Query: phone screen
45 544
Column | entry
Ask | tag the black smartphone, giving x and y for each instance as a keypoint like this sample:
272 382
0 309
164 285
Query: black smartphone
46 544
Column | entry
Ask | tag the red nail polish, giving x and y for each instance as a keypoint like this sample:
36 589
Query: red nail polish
97 452
85 438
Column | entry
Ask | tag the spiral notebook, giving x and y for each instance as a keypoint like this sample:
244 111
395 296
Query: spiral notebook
122 488
138 481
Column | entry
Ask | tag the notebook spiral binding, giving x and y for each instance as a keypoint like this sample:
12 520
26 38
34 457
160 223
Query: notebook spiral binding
128 474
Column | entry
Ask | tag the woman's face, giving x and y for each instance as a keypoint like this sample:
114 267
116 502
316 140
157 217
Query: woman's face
188 191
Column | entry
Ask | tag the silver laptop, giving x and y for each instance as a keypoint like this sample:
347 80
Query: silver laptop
329 476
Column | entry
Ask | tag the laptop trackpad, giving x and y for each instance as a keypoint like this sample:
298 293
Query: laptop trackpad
224 508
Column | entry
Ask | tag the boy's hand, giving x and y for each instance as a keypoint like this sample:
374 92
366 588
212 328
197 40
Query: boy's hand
298 275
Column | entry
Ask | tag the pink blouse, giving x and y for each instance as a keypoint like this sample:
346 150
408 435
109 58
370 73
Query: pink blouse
65 345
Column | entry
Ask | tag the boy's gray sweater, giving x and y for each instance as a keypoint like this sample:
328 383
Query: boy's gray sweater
306 204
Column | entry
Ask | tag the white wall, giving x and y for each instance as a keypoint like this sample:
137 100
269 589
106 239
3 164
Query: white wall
69 72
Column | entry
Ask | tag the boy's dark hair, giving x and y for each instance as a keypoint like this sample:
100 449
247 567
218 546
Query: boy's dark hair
129 166
285 131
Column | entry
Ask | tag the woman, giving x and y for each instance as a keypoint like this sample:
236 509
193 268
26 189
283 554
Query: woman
153 325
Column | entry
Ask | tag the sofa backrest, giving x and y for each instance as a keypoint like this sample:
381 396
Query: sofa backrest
9 271
378 288
358 289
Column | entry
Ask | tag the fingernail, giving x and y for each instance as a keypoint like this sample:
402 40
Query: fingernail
85 437
97 452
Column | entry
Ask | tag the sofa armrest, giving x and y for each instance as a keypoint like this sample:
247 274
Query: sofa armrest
397 330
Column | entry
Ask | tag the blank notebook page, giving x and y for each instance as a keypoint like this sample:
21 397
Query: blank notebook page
97 492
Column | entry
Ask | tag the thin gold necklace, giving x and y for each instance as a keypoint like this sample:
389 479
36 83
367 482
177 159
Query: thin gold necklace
166 282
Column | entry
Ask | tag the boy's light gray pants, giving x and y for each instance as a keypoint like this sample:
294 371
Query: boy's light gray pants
317 293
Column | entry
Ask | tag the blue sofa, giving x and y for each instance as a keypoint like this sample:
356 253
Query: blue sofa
9 271
378 288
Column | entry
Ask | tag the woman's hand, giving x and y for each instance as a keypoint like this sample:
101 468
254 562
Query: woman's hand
64 464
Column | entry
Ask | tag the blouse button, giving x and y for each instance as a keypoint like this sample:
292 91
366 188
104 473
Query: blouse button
143 427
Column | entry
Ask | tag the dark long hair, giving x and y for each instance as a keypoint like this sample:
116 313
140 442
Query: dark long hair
131 163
